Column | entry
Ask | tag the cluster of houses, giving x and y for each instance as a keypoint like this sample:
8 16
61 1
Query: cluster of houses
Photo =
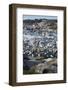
40 40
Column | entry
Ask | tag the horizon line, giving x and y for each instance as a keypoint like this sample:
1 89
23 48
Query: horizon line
32 17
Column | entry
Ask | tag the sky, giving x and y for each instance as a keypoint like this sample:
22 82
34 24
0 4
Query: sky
32 17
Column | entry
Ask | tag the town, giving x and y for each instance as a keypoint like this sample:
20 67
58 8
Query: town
39 46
